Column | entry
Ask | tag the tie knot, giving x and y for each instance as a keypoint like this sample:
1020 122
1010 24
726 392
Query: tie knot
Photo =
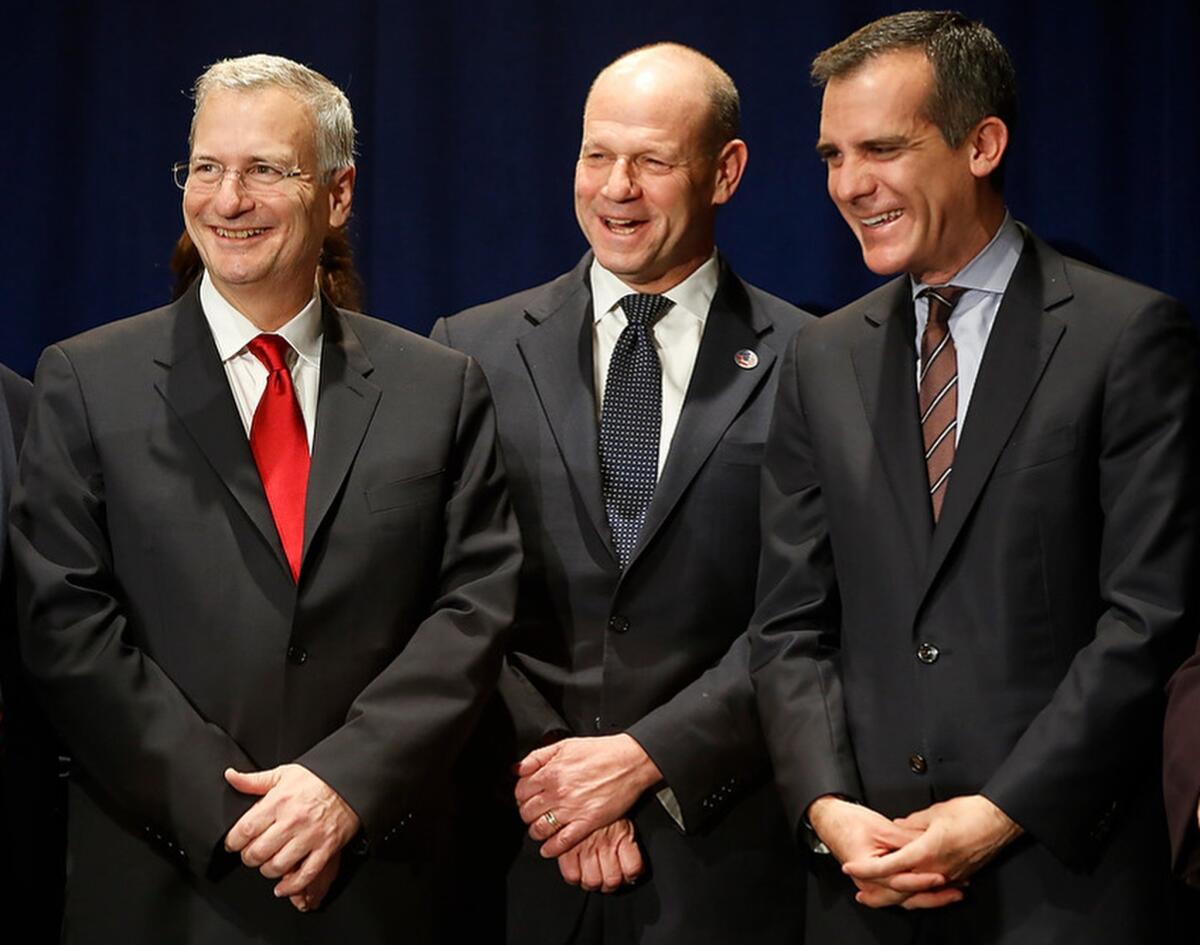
271 350
642 309
942 299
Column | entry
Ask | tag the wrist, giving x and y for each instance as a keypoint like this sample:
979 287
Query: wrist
1006 829
641 769
824 807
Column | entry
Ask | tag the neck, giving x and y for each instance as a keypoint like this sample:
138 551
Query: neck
668 280
269 309
970 243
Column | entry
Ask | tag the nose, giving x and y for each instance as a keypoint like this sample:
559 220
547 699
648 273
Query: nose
230 198
849 180
621 183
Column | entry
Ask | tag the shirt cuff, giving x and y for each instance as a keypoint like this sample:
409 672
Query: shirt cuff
670 804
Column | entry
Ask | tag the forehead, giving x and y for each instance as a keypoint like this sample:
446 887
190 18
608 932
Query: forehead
652 104
884 96
254 122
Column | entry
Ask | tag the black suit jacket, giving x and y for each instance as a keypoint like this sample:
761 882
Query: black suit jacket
32 799
1052 597
658 650
170 642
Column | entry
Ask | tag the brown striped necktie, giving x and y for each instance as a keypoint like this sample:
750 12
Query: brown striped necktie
939 392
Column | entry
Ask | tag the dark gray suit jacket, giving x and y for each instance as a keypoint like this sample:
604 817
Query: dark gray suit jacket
32 798
658 650
169 641
1053 597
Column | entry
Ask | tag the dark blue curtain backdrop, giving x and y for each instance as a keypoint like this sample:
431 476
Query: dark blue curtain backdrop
469 115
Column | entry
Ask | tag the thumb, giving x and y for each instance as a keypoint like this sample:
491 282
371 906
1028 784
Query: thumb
252 782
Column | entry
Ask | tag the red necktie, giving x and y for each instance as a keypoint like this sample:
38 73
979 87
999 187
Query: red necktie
280 446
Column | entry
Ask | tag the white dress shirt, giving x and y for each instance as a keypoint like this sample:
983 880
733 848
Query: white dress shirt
232 331
985 278
676 337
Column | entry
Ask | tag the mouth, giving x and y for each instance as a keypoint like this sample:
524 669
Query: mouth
621 226
228 234
881 218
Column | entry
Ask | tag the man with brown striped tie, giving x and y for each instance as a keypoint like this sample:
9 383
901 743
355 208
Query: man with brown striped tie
979 514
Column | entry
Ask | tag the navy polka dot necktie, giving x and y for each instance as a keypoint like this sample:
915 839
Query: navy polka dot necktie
630 422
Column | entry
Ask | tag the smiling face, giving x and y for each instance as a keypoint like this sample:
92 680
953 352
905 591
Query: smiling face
261 250
915 204
647 184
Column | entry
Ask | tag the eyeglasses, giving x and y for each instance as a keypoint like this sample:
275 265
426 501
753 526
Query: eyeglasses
259 177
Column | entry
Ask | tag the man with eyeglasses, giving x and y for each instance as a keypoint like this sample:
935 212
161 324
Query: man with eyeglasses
267 555
633 396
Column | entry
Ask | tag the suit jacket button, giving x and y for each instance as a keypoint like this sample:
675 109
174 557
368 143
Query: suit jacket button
297 655
917 764
928 653
618 624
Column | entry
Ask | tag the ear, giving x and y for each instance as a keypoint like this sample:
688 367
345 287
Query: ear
341 195
731 164
987 143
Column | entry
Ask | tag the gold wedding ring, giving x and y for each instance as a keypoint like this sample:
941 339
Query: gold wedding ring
551 819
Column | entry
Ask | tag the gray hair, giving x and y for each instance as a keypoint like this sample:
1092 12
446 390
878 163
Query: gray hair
973 76
328 104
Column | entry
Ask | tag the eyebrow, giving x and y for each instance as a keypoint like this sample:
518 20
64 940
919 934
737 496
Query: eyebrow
891 141
826 148
252 159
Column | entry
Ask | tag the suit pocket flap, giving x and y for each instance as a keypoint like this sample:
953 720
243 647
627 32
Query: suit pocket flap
1036 450
415 490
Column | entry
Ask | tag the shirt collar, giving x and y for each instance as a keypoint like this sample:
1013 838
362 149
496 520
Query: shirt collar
232 331
991 269
694 294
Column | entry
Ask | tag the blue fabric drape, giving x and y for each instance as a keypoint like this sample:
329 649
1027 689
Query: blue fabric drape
469 117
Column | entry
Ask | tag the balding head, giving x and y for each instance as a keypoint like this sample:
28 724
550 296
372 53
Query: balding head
657 160
696 79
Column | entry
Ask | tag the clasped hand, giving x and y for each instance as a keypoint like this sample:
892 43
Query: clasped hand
586 783
294 832
574 795
920 861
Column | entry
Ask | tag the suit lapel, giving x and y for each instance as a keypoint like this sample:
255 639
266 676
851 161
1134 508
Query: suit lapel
196 388
558 356
716 394
1020 345
345 405
885 367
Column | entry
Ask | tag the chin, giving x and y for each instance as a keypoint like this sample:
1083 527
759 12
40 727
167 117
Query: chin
882 263
619 264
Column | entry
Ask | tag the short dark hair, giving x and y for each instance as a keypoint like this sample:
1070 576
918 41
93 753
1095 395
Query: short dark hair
973 76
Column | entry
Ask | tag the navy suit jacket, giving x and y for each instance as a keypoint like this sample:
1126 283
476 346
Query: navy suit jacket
657 650
169 640
32 799
1017 649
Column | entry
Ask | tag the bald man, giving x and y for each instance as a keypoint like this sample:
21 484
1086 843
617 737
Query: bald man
633 397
